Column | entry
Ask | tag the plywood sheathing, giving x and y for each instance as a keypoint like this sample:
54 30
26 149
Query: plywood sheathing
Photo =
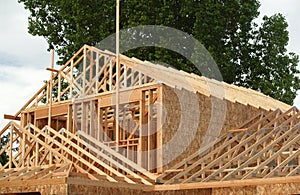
278 189
45 186
76 185
265 149
174 100
206 86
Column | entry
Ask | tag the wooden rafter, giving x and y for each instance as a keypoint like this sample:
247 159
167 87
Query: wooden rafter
247 154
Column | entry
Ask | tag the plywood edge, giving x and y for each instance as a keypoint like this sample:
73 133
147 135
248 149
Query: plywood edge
224 184
34 182
107 184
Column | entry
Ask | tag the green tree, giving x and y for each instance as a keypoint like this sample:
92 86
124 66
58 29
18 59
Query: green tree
225 28
3 141
273 69
242 50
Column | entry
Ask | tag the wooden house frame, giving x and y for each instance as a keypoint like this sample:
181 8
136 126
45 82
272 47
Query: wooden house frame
66 134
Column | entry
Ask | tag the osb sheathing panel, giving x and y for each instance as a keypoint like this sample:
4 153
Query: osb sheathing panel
178 101
289 188
92 190
47 189
274 189
75 189
181 192
249 190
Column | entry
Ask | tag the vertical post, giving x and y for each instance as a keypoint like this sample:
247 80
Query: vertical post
110 74
91 70
23 147
34 119
140 78
117 70
36 153
159 129
149 133
69 119
105 128
71 84
10 145
141 146
50 99
125 76
29 139
92 122
75 128
84 70
97 72
47 92
59 87
99 121
83 118
22 122
50 88
132 75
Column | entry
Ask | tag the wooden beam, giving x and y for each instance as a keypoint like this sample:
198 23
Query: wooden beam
116 163
10 154
64 148
52 70
237 130
227 184
119 156
159 130
11 117
50 89
199 156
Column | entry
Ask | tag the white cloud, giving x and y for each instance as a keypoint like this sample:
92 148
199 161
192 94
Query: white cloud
18 47
297 100
23 59
17 86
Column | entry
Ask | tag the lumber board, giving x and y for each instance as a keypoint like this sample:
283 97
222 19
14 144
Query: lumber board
292 139
52 70
119 156
125 97
10 117
235 158
87 154
57 110
63 147
224 184
34 182
208 156
120 166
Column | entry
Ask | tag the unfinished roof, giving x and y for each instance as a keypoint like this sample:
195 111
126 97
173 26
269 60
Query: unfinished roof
204 85
63 140
141 72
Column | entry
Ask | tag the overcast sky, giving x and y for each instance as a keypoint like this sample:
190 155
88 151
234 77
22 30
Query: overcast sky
23 58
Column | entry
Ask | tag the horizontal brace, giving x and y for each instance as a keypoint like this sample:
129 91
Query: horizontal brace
52 70
10 117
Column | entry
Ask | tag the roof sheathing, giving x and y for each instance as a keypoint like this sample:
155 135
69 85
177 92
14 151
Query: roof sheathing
195 83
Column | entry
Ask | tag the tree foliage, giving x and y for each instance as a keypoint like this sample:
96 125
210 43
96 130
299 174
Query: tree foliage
247 54
3 141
